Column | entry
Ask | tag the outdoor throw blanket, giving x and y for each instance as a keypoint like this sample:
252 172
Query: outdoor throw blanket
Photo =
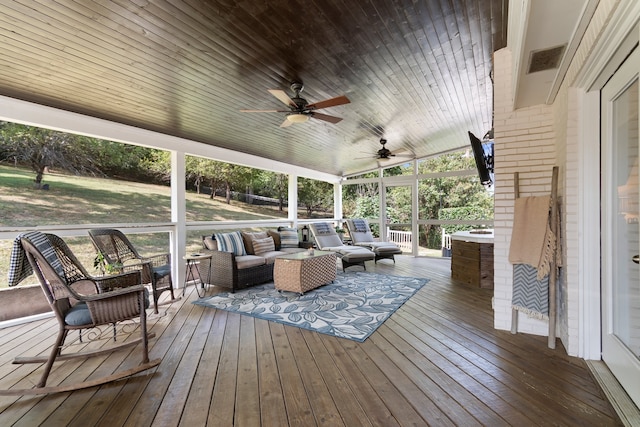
532 241
532 250
530 295
19 267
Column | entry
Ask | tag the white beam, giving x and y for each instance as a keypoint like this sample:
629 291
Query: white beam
18 111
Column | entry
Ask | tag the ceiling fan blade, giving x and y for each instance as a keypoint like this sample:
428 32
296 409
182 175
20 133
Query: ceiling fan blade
282 96
326 118
264 111
286 123
332 102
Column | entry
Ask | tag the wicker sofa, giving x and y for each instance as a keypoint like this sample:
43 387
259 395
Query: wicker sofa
237 268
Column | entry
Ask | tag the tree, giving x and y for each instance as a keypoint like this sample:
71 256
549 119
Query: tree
314 195
44 148
454 197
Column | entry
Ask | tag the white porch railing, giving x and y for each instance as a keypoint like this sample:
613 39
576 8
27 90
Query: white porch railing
400 238
446 239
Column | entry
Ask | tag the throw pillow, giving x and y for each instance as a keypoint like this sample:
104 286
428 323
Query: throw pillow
276 238
248 236
209 243
288 237
231 242
261 246
323 228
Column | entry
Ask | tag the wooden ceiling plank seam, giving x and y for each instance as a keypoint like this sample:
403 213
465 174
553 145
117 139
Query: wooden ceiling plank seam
36 69
434 61
475 72
132 82
405 95
453 67
419 90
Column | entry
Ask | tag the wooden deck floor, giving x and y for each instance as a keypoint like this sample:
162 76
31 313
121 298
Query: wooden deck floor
436 361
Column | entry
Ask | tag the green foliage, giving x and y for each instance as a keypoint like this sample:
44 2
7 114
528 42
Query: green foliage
315 195
365 207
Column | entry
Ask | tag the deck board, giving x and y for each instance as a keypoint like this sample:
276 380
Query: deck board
436 361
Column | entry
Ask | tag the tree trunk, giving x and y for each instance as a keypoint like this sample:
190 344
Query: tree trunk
228 192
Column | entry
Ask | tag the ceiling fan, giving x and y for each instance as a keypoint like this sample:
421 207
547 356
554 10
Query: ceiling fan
385 154
299 108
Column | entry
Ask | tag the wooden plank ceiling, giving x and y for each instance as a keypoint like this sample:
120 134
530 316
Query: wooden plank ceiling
417 72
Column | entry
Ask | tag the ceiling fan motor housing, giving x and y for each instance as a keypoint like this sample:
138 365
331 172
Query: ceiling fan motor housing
300 102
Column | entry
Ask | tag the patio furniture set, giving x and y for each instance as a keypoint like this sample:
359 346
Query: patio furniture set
237 259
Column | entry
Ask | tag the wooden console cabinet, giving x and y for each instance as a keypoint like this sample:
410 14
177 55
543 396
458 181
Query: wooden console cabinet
472 259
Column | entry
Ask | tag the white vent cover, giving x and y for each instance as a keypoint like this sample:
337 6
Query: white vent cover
545 59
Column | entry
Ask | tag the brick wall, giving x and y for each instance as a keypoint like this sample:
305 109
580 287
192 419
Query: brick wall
524 143
531 141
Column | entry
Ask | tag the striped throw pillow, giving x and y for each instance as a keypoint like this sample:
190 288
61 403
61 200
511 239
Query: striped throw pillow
288 237
231 242
261 246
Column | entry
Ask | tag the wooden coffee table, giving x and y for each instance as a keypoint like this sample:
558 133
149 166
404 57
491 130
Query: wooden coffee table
303 271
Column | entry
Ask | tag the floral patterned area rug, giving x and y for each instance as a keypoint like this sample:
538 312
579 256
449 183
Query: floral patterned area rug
352 307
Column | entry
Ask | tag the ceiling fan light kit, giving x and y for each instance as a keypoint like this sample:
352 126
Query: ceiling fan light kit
297 118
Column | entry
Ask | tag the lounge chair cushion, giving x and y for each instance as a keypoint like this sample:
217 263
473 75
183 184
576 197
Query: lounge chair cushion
326 241
382 247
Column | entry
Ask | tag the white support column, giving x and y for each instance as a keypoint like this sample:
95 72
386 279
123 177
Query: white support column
178 217
589 298
382 190
337 201
415 230
293 200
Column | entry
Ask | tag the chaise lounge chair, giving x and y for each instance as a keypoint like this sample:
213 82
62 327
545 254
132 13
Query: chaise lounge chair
361 235
328 240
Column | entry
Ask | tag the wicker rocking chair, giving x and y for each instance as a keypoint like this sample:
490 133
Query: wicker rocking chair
117 250
79 302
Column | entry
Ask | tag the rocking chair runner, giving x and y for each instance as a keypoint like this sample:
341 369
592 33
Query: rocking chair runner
65 283
117 250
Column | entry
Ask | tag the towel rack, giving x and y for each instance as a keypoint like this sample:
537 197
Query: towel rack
553 274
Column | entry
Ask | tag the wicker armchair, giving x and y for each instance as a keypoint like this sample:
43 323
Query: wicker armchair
118 252
79 302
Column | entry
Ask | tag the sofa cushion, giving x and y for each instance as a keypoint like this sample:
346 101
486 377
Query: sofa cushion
246 261
249 236
261 246
231 242
288 237
270 257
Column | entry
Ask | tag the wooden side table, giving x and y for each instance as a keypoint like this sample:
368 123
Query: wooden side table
192 267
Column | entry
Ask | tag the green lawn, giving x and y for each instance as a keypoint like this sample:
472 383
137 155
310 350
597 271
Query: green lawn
87 200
